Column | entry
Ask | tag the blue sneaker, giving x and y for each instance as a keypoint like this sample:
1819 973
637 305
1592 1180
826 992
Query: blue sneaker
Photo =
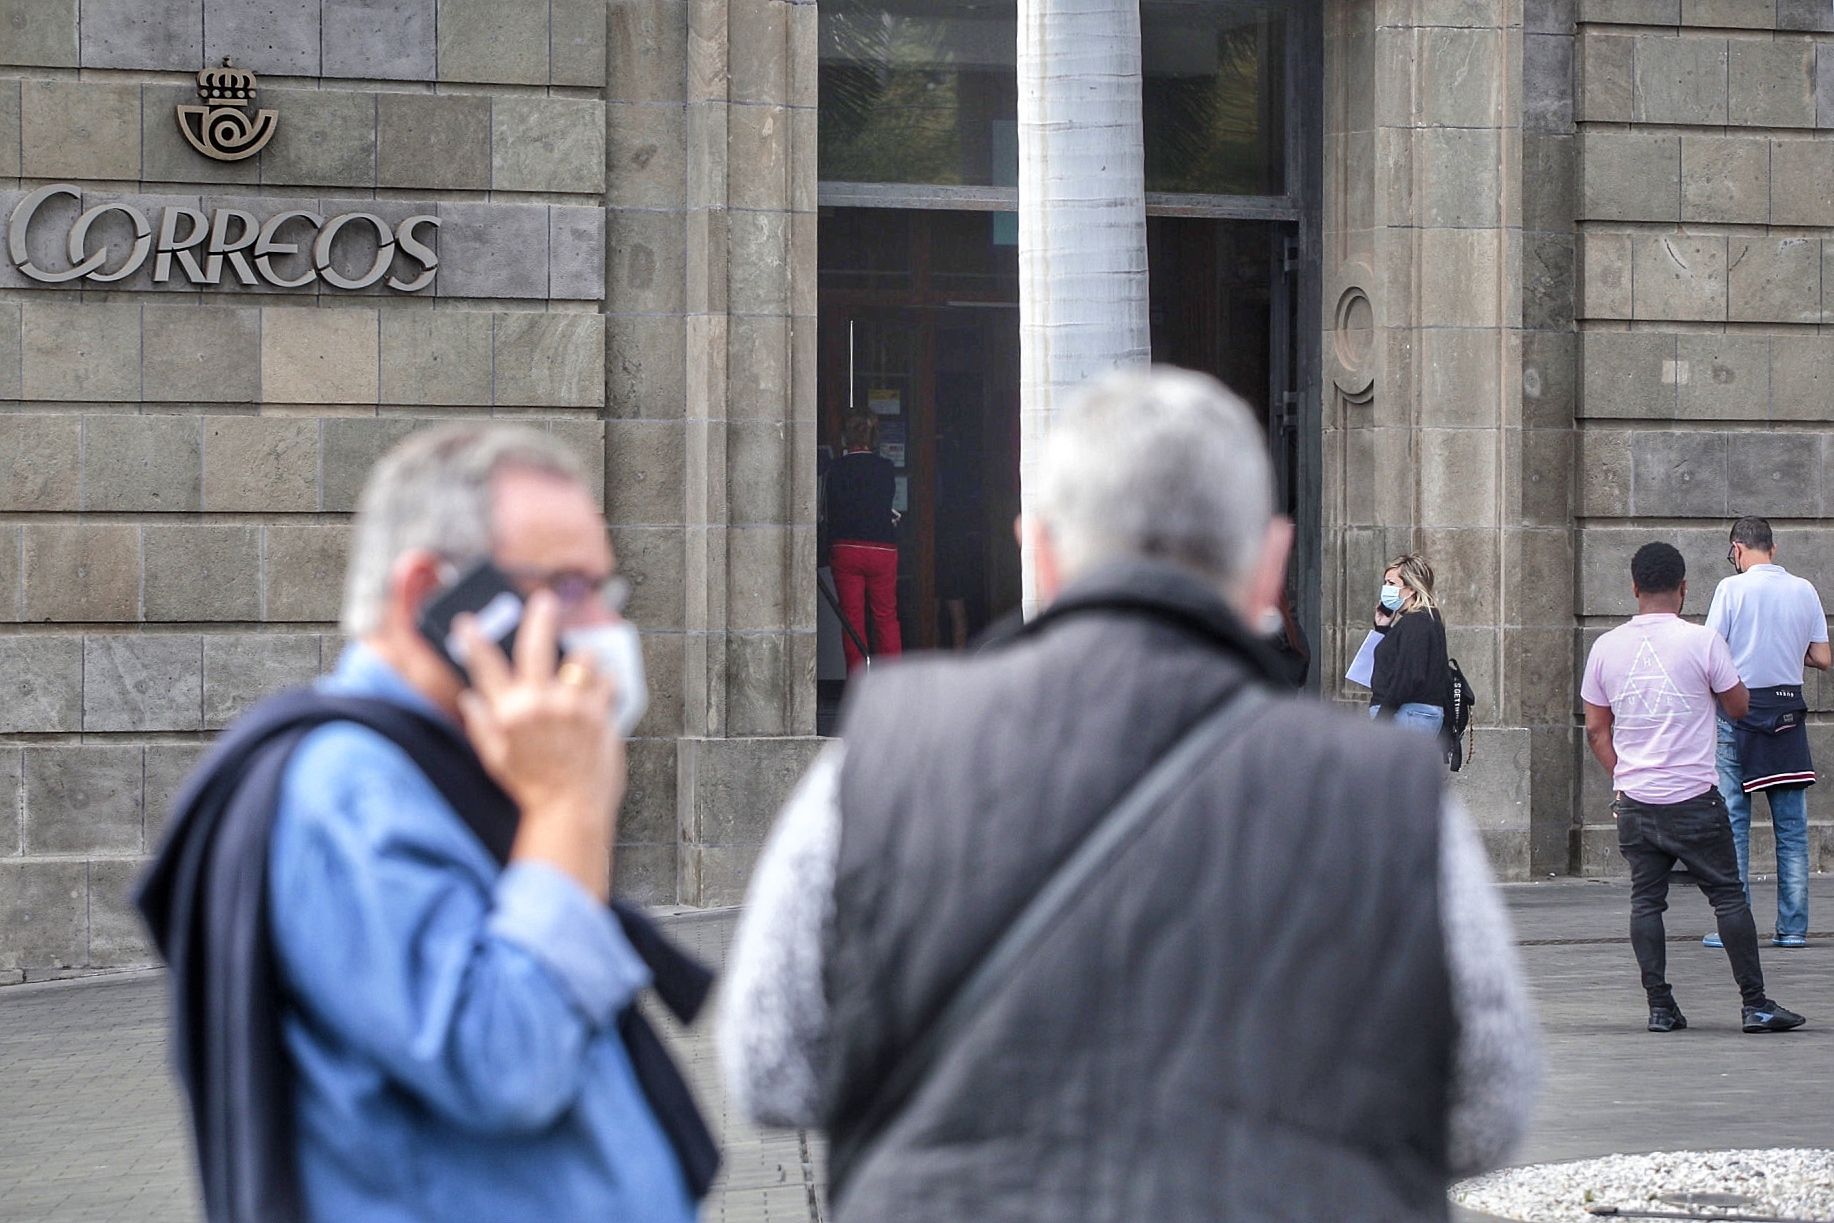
1789 940
1712 940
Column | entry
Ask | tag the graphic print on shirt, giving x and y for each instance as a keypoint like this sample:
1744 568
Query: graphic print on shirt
1647 697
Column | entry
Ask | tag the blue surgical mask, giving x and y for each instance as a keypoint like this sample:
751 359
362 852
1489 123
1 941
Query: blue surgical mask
616 652
1391 598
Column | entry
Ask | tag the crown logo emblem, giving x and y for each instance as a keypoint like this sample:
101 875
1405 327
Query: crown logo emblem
223 127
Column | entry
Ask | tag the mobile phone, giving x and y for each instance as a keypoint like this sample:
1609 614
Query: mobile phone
486 593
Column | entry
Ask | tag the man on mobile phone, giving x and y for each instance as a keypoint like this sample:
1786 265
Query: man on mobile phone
436 1011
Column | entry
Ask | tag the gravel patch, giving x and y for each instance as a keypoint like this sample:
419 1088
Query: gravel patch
1775 1184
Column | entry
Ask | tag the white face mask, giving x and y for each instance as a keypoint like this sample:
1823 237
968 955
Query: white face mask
1271 622
617 653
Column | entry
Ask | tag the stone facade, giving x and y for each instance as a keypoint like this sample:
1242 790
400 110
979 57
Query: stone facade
625 194
1590 238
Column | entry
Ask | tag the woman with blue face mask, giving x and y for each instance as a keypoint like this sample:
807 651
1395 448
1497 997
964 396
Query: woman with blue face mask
1409 684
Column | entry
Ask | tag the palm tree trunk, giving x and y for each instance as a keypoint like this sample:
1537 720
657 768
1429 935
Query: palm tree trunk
1082 211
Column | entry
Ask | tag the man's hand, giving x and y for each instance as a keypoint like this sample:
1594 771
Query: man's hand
547 738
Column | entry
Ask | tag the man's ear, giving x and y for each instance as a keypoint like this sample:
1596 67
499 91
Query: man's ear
1047 566
412 580
1267 578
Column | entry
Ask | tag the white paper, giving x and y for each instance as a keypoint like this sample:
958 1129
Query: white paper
1362 667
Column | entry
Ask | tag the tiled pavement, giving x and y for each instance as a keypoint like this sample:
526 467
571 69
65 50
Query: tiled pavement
89 1123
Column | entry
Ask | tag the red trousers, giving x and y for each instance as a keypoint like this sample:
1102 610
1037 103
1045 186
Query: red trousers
866 573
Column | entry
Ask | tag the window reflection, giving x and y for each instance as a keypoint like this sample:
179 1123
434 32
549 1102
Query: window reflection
925 91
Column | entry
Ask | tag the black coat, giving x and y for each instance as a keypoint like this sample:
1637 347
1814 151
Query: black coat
1410 663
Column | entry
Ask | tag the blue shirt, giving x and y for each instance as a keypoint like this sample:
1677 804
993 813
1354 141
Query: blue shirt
452 1024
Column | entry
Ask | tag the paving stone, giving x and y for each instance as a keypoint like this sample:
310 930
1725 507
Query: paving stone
1680 80
1802 182
39 33
391 41
1773 474
352 445
201 354
161 35
483 40
278 36
44 908
1725 180
1775 280
141 682
1628 374
550 359
83 799
40 469
1680 277
436 357
305 572
142 463
241 668
326 138
320 355
202 572
433 141
260 464
80 351
1724 377
41 685
82 572
576 254
1678 475
493 250
577 38
547 144
1771 84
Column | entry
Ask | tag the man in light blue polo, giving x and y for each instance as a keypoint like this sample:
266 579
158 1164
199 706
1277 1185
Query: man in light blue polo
1775 624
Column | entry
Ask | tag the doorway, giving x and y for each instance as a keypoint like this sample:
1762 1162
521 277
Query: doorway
919 328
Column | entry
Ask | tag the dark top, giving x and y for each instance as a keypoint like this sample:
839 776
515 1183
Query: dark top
1410 663
1306 839
860 490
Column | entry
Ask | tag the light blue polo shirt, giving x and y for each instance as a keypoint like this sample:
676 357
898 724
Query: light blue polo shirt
1769 617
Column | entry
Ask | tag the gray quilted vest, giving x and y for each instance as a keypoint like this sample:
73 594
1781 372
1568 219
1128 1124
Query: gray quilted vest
1245 1018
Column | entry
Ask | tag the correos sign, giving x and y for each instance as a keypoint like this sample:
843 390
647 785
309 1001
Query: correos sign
202 249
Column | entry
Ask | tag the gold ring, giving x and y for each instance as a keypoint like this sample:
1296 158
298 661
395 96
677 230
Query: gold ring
574 674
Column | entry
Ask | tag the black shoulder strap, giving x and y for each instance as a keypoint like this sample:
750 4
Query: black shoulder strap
1107 840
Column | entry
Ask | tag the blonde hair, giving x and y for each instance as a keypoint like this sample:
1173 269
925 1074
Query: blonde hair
1416 576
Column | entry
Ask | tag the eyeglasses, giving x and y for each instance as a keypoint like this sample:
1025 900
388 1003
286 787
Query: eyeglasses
574 589
1732 556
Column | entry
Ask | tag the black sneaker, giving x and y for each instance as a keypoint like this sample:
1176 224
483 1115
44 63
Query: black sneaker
1668 1018
1768 1017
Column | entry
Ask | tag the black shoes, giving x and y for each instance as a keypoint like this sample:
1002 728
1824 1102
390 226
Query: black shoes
1670 1019
1765 1017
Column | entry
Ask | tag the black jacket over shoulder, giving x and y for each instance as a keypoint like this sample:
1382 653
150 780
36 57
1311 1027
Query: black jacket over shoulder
1410 663
1180 1045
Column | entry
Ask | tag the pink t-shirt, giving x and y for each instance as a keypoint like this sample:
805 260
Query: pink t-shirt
1658 675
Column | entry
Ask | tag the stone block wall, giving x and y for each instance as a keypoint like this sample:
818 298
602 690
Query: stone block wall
1705 201
625 248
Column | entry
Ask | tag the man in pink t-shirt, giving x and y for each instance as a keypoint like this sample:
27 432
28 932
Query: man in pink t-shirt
1650 689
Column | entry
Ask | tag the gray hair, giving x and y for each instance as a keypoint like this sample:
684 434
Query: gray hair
1163 463
434 491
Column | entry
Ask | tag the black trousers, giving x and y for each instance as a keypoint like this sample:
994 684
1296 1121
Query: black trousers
1697 833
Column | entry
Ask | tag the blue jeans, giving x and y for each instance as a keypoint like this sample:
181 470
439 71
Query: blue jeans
1789 816
1415 716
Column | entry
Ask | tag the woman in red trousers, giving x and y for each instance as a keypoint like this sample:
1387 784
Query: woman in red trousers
864 554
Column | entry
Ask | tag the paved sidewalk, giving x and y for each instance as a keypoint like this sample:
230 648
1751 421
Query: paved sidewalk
90 1129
